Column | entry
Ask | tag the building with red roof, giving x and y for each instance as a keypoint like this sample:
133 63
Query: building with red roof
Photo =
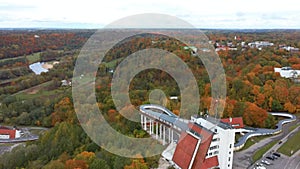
192 148
235 122
221 144
8 133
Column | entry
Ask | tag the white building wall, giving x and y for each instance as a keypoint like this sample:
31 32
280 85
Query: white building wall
225 142
287 73
4 136
18 134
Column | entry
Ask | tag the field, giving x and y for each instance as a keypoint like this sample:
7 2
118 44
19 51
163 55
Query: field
291 128
251 141
258 154
291 146
35 89
33 57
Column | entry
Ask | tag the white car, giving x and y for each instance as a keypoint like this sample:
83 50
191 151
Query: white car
265 162
259 166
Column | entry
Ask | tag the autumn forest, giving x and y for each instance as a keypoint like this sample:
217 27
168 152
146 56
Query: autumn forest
27 99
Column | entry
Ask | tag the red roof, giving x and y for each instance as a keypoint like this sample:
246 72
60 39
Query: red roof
211 162
236 122
185 149
7 131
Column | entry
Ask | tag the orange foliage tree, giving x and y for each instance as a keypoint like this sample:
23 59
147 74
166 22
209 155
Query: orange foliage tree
254 115
76 164
138 163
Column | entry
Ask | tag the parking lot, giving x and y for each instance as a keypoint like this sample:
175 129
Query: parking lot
282 162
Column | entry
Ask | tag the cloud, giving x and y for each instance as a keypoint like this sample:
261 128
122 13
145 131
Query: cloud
240 14
14 7
201 13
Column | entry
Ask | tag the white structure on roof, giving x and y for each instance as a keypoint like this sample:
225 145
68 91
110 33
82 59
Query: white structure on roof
287 72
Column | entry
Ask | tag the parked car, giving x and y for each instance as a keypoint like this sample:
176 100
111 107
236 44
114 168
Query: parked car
270 158
275 157
265 162
259 166
276 154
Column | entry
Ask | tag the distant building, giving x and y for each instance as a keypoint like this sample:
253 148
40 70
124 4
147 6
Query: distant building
243 44
225 48
289 48
66 83
173 97
287 72
192 48
8 133
260 44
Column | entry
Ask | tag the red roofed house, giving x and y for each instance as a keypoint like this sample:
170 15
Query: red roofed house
8 133
192 148
236 122
218 142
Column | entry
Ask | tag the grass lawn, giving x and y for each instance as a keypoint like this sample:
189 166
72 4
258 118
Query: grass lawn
259 153
292 145
251 141
112 64
33 57
40 91
37 87
36 131
248 144
43 94
6 144
291 128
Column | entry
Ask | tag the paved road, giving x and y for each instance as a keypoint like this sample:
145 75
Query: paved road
262 131
243 159
284 162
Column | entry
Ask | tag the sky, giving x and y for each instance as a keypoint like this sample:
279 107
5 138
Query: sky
225 14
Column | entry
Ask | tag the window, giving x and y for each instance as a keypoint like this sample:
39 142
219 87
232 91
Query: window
216 152
213 147
228 158
210 154
216 139
216 130
230 146
229 152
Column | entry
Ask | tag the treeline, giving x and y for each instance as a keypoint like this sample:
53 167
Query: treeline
7 63
6 74
20 43
253 88
66 145
50 55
